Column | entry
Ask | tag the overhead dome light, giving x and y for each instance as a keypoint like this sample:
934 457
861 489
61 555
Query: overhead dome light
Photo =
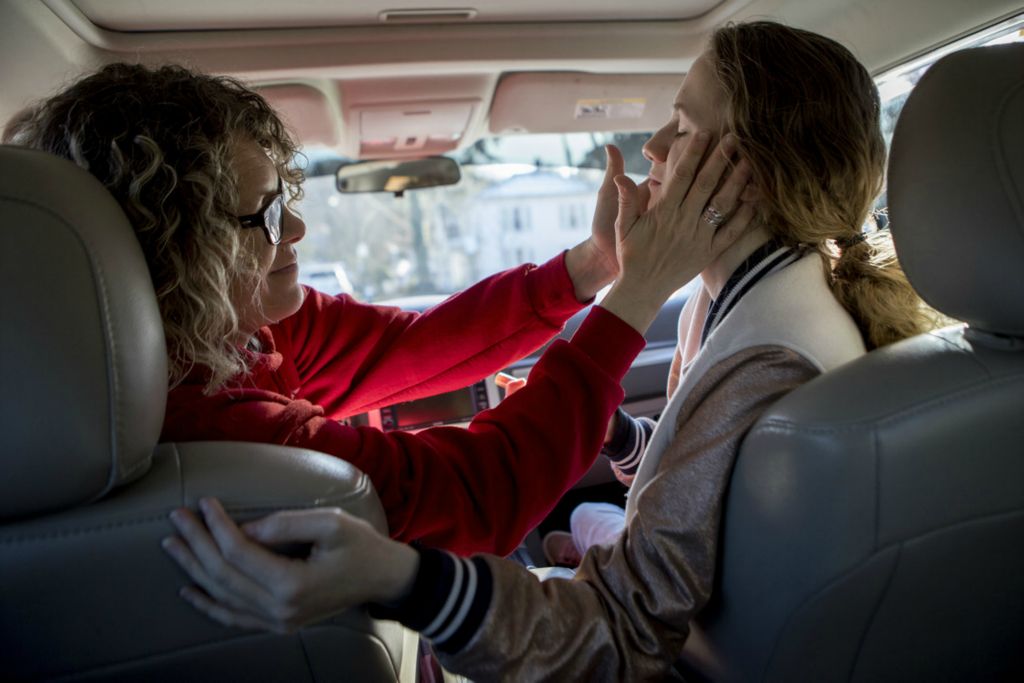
426 15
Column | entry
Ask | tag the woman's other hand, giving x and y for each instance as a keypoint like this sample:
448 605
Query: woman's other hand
510 383
593 263
662 248
248 586
602 230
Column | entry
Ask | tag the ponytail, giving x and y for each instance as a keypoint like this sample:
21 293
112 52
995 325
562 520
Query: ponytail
868 281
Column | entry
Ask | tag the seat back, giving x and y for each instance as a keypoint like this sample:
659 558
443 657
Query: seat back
874 525
85 588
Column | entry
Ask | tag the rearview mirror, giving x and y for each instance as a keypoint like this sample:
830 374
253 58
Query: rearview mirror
397 176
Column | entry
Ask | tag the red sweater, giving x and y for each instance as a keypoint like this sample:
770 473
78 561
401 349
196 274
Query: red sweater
479 489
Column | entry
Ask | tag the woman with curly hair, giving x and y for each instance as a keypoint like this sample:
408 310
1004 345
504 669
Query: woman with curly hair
203 168
803 292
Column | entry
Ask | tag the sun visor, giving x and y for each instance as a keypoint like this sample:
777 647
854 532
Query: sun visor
582 102
413 129
305 110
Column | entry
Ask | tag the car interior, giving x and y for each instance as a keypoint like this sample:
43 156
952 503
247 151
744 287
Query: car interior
873 524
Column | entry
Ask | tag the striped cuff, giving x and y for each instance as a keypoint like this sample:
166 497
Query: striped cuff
629 441
448 600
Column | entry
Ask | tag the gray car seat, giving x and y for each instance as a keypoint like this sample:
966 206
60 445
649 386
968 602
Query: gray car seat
874 525
86 592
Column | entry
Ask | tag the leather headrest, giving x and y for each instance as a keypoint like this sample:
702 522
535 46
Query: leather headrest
956 187
82 352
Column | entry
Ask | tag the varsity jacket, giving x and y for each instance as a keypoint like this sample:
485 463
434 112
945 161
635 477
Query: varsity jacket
625 615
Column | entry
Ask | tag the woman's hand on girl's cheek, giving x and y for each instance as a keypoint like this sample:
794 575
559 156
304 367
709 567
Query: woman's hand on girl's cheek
751 194
602 229
670 243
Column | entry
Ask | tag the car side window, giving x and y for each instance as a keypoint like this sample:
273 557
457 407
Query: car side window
895 85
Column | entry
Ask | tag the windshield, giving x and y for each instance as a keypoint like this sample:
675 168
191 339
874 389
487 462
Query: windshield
521 199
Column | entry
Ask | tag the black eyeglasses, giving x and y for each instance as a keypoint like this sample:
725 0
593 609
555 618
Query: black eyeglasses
268 218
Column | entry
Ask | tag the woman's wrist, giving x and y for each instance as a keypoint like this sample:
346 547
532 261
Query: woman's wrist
397 573
635 303
589 270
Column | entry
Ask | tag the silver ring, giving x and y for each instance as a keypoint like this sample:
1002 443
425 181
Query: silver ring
713 216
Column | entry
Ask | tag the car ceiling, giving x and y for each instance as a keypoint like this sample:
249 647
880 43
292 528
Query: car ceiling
384 79
185 15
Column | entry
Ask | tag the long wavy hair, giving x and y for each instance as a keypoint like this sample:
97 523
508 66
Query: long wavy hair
161 140
806 115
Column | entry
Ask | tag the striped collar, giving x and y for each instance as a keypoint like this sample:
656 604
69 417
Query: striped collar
767 259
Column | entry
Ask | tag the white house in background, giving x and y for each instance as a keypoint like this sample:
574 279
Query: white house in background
526 218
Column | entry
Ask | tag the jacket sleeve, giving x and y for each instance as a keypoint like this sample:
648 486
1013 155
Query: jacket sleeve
483 488
628 443
625 615
350 357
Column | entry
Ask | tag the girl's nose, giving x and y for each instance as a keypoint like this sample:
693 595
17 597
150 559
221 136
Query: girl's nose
656 148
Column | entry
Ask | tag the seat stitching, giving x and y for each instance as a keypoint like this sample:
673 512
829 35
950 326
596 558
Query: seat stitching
306 657
874 611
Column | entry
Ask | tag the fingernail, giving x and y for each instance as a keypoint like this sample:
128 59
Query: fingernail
703 136
204 504
175 516
166 542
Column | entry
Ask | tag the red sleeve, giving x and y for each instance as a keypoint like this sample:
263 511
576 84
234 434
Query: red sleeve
350 356
483 488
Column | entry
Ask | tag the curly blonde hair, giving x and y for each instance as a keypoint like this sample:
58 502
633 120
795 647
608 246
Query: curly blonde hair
806 116
161 141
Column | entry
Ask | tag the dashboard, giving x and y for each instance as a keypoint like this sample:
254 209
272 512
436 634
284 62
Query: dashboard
453 408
